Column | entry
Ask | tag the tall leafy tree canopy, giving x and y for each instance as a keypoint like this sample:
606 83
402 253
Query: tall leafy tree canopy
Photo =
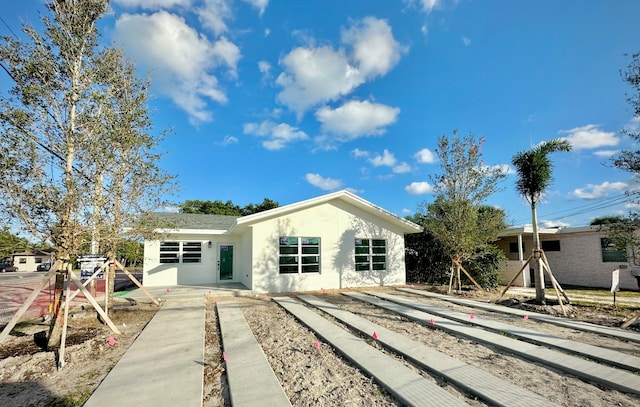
535 170
218 207
79 158
458 219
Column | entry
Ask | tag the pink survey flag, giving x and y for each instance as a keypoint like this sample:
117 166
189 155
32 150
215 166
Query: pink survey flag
433 321
375 335
224 356
111 341
316 345
471 316
168 290
266 297
526 317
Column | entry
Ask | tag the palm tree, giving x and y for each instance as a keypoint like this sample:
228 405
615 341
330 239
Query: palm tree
535 176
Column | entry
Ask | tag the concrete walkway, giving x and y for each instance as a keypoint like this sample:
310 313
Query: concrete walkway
491 389
564 322
165 364
602 355
252 382
590 371
406 385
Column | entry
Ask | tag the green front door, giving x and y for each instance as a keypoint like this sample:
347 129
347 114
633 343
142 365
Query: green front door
226 262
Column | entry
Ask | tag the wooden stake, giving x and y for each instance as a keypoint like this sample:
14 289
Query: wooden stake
27 303
136 282
555 287
93 302
553 278
450 279
468 275
516 276
63 340
630 321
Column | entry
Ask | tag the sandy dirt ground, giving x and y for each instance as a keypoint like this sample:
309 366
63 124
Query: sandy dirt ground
310 375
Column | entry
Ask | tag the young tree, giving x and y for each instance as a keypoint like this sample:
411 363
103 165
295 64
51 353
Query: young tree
81 157
457 218
629 160
534 177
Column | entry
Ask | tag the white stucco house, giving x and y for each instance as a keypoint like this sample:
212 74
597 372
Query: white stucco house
581 256
333 241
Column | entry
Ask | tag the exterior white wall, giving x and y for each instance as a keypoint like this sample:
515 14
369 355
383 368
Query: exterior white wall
205 272
338 225
579 261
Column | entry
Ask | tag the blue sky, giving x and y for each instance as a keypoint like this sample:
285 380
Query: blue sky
290 100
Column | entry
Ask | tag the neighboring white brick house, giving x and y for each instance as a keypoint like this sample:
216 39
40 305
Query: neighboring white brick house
577 255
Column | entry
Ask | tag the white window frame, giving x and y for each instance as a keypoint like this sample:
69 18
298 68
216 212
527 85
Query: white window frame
191 251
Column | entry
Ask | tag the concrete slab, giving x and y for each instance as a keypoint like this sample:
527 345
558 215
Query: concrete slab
187 291
165 364
252 382
564 322
469 379
406 385
602 355
586 370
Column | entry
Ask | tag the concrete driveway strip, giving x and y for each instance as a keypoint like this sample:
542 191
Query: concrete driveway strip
406 385
606 376
164 366
602 355
493 390
252 382
567 323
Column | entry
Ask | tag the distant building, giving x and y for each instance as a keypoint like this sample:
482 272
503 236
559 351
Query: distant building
580 256
29 261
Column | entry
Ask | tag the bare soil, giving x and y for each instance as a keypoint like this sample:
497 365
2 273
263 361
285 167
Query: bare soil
310 375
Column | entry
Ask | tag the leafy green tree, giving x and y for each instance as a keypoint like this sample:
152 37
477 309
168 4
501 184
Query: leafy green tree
10 243
82 160
606 220
218 207
535 175
629 160
457 218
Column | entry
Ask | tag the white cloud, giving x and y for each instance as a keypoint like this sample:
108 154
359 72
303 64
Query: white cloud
401 168
182 60
545 223
357 153
386 159
589 136
229 140
152 4
426 5
261 5
357 118
213 13
425 156
265 68
278 135
466 41
327 184
606 153
592 191
374 50
418 188
319 74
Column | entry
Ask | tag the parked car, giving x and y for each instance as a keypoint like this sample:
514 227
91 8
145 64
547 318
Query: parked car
7 268
44 266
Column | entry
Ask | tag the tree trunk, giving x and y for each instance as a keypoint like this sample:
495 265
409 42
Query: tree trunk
539 272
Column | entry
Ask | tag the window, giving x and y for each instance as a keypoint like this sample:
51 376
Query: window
550 245
299 255
371 254
610 254
172 252
513 247
38 259
22 260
